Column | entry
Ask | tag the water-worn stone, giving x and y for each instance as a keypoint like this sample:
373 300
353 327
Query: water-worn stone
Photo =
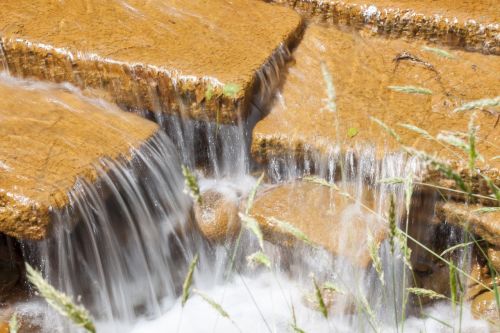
494 256
196 58
471 24
326 217
49 137
485 307
363 68
217 216
485 225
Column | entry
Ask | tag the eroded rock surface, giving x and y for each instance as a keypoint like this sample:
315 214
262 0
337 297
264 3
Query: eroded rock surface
197 58
49 137
486 225
326 217
471 24
363 69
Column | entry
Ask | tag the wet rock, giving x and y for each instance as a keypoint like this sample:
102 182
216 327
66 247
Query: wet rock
469 24
326 217
217 216
484 225
484 306
9 277
50 137
363 68
194 58
494 256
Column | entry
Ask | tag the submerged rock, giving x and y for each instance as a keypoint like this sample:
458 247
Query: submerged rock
325 216
469 24
367 72
50 137
200 59
217 216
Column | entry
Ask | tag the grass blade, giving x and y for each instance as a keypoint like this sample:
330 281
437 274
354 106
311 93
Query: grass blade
216 306
251 224
453 284
492 186
411 90
259 258
290 229
319 298
486 210
418 130
332 287
373 248
191 183
392 180
479 104
426 293
389 130
253 192
456 247
60 301
454 141
440 52
296 329
188 281
14 324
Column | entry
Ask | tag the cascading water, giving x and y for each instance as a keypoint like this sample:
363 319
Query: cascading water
123 244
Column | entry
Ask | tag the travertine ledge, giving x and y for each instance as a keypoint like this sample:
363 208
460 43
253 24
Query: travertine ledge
162 56
472 25
49 138
363 69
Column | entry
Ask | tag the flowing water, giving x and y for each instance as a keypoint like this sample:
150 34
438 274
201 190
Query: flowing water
122 246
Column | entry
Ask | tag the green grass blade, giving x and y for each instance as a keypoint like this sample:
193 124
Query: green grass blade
426 293
440 52
456 247
411 90
251 224
14 324
332 287
290 229
386 128
259 258
485 210
188 280
253 192
216 306
191 183
479 104
494 189
60 301
297 329
373 248
453 283
319 298
391 180
418 130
